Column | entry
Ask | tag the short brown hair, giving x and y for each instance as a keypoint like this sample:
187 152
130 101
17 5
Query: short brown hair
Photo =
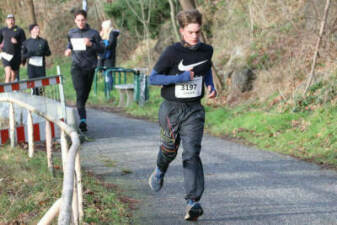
189 16
80 12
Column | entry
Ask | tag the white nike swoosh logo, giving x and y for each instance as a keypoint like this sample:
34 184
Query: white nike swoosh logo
183 67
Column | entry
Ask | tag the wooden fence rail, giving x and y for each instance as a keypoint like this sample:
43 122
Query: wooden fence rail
70 206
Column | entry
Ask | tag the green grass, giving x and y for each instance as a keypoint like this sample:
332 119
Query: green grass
27 191
308 135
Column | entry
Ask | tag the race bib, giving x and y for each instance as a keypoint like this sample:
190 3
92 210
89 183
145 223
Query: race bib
78 44
36 61
6 56
189 89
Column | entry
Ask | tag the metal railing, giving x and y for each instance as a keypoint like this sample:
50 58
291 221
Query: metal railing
118 76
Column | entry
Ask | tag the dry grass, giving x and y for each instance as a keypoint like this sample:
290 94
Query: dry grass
276 39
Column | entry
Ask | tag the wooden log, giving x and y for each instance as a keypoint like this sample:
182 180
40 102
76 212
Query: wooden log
51 213
64 149
79 186
75 214
30 134
49 148
12 125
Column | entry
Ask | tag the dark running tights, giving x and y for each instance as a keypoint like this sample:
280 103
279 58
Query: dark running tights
82 81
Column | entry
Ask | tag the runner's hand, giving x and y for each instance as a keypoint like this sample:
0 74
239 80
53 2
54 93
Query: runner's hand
87 42
67 52
14 41
191 75
211 94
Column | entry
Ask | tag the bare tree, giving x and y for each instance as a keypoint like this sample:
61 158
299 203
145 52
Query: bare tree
173 20
144 17
313 65
32 10
187 4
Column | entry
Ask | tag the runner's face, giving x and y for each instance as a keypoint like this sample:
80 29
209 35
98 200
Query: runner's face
10 22
35 32
191 33
80 21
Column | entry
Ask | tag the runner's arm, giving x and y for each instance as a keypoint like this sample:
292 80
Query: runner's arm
24 52
162 79
69 45
46 49
209 80
97 43
1 36
22 37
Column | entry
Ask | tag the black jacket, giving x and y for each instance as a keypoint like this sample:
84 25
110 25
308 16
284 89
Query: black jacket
86 59
35 47
6 34
112 46
111 60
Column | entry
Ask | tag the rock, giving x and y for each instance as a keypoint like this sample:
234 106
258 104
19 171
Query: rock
237 75
242 80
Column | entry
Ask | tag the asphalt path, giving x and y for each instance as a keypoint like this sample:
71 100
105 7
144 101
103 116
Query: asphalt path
244 185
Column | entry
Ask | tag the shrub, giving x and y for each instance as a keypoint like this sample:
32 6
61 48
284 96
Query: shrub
126 18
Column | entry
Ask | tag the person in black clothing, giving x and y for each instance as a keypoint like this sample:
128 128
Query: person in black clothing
108 58
183 70
109 37
12 37
84 44
34 50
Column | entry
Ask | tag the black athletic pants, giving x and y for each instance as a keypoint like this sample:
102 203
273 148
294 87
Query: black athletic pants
183 122
82 81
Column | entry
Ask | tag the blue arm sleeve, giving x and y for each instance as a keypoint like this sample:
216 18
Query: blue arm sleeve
161 79
209 80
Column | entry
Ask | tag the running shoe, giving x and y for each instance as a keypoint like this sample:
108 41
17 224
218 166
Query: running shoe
156 180
83 126
193 210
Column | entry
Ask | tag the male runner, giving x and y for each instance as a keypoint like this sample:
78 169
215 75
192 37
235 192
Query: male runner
183 69
84 44
12 37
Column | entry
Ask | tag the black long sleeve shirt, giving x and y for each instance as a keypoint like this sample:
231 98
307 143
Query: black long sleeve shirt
85 59
37 47
6 34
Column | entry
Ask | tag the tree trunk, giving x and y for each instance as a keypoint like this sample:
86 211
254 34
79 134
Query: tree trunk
313 65
85 5
32 10
173 20
187 4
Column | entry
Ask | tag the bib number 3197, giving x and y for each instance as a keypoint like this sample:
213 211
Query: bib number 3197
189 89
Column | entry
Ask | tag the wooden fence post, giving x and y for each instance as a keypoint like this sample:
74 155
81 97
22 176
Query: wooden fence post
79 185
75 203
49 148
12 124
30 134
64 149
